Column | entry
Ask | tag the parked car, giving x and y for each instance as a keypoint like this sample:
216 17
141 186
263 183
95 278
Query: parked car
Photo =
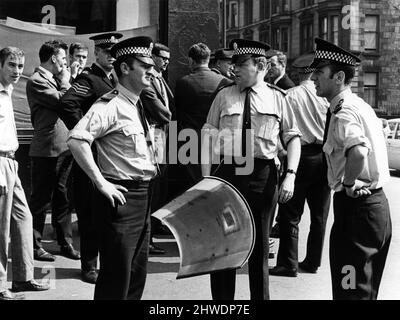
393 143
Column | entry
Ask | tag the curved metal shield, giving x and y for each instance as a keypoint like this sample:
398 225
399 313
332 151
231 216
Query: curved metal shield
213 226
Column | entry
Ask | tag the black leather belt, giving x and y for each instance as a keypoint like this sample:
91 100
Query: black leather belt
313 146
131 183
8 154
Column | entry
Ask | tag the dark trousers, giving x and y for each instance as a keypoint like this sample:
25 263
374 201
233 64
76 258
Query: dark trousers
159 195
83 190
260 191
49 186
311 185
359 243
124 243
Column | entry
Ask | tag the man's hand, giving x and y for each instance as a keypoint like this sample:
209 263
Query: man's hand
113 192
75 69
3 185
287 188
359 189
64 75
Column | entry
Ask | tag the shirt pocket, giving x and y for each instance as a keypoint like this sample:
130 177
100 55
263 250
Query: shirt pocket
266 124
231 117
135 144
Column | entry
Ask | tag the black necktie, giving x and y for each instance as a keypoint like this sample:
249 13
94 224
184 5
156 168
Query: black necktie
324 162
146 131
144 122
111 77
328 120
246 120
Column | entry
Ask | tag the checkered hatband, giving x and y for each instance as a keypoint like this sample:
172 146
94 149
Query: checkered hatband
104 41
249 50
143 51
335 56
307 70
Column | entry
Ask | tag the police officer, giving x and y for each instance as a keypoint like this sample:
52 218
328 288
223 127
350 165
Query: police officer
222 63
89 85
311 183
247 118
126 166
357 170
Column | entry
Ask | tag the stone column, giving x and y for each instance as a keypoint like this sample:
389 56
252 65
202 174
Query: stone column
190 22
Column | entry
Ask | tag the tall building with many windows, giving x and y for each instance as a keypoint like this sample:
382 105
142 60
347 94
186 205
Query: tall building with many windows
368 27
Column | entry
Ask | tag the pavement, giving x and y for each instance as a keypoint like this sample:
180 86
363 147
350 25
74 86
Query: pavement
64 274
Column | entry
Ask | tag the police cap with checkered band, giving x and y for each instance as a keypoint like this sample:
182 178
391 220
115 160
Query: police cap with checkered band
138 47
302 63
328 53
106 40
248 48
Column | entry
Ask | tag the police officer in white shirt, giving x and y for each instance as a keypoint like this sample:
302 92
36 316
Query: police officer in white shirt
311 183
357 163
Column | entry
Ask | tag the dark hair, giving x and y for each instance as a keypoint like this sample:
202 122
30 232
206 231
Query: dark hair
77 46
349 71
50 48
200 53
117 63
159 47
10 51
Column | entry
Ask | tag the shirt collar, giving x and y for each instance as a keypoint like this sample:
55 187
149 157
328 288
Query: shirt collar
46 72
307 83
335 101
279 78
131 96
257 88
9 90
157 74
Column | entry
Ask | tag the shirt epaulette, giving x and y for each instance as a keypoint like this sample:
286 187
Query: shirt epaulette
338 107
276 88
109 96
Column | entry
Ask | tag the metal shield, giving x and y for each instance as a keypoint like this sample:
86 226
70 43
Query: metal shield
213 226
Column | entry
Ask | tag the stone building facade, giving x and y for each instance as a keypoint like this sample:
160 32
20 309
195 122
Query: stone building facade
368 27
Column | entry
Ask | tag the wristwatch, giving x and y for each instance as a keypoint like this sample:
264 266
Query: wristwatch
348 185
290 171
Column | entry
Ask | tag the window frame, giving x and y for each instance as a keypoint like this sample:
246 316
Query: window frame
369 87
376 32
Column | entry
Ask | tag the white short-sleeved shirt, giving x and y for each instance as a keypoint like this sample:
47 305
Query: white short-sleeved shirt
114 124
271 116
353 123
310 111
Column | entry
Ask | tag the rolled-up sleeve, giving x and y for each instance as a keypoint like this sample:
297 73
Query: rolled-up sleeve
350 131
289 127
92 126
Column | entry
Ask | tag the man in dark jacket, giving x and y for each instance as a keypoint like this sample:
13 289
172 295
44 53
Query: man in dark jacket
88 86
194 94
277 74
50 159
158 104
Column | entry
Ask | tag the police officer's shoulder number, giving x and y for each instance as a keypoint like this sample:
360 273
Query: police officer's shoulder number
107 97
272 86
338 107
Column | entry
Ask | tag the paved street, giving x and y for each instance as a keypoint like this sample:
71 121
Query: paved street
64 274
